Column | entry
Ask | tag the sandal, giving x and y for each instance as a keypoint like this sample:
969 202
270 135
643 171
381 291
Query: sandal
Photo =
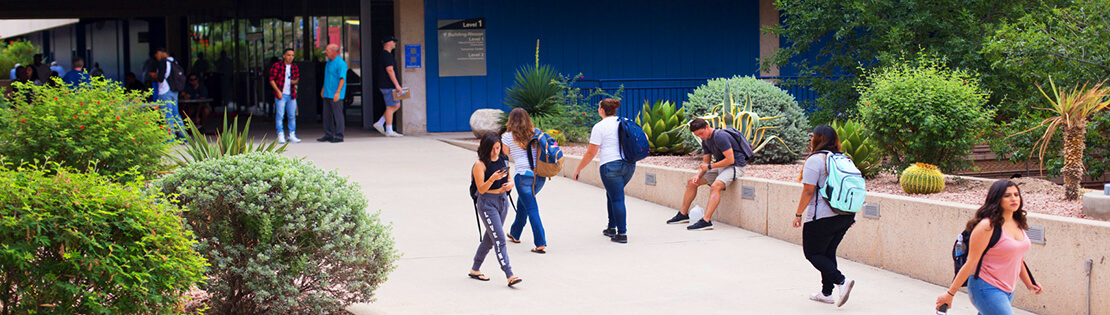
514 281
479 277
512 239
537 250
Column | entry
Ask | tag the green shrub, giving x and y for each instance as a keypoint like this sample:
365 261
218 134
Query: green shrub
574 115
663 126
20 51
282 236
76 243
767 100
921 111
99 127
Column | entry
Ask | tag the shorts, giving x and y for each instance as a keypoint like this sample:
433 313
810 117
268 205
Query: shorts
388 95
725 175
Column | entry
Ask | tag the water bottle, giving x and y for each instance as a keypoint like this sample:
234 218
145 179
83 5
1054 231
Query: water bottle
961 248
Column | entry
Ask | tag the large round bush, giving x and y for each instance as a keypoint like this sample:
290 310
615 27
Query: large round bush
767 100
98 127
921 111
282 236
77 243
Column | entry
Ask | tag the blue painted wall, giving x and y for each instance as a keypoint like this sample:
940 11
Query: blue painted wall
600 39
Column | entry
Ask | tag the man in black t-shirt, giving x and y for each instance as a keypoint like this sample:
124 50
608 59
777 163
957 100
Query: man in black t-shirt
719 146
385 78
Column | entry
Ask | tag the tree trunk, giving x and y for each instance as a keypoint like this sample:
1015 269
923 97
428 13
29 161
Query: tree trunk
1074 145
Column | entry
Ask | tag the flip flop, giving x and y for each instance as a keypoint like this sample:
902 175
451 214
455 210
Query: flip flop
538 251
515 281
512 239
479 277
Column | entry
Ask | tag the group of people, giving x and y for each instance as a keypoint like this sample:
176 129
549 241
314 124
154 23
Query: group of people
991 271
40 73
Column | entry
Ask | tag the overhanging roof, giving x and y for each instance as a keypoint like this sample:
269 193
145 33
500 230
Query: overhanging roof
70 9
12 28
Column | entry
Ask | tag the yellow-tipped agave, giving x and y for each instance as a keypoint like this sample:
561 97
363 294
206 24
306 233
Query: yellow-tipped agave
733 115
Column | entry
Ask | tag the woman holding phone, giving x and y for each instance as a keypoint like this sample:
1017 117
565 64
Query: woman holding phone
489 176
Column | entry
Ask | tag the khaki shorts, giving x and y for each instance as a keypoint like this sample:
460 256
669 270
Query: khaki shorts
725 175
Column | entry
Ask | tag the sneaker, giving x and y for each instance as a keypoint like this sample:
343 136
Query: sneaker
619 238
293 138
843 290
679 218
324 139
336 140
821 297
281 137
609 232
380 127
393 134
701 225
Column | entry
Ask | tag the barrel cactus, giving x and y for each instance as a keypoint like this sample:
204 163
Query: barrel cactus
859 147
921 178
662 123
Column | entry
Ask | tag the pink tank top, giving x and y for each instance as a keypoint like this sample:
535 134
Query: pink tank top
1002 263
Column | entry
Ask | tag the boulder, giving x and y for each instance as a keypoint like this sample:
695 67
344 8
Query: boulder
1096 204
485 120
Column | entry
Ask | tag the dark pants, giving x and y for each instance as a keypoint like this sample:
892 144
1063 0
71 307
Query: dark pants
819 241
527 211
333 118
494 208
614 176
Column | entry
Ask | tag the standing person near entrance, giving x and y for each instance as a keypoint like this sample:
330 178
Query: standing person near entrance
283 78
992 273
162 76
824 228
76 77
716 145
519 132
40 72
335 77
386 80
615 171
489 180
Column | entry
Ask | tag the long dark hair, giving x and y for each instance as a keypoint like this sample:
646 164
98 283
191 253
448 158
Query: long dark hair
992 208
824 138
485 147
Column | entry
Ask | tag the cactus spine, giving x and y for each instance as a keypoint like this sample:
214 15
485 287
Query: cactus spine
921 178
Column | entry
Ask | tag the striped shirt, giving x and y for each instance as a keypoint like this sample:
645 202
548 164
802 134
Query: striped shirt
520 160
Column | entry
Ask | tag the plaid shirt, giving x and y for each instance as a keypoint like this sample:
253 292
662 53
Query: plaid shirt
277 74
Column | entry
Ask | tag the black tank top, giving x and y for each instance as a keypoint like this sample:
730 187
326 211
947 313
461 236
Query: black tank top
491 167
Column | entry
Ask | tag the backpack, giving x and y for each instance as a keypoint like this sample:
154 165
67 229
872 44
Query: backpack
745 147
844 189
960 252
176 78
633 141
549 158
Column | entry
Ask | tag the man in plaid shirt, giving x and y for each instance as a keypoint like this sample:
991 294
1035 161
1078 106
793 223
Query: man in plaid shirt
283 78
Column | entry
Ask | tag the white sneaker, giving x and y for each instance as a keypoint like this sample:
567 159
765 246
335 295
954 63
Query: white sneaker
293 138
393 134
281 137
843 290
819 297
380 127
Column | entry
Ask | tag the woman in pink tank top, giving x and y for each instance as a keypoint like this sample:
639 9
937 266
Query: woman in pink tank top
992 274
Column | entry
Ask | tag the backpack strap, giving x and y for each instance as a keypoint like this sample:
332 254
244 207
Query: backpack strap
996 234
1028 271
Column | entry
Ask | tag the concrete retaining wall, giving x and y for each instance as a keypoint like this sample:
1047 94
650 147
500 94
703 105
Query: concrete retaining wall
912 236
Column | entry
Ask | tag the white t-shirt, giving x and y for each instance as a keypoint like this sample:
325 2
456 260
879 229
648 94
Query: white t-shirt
163 84
520 160
814 174
285 86
604 135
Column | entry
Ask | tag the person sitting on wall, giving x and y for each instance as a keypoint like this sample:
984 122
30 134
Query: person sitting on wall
197 112
716 145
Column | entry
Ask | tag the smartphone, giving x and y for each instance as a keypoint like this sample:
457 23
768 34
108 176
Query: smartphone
943 309
504 169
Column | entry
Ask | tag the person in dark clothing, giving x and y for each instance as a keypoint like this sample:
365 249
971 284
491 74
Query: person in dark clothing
194 90
76 77
719 146
131 82
385 77
491 187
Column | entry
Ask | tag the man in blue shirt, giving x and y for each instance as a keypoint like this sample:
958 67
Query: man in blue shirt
74 78
335 77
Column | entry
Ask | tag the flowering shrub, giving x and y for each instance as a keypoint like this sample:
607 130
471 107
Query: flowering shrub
98 127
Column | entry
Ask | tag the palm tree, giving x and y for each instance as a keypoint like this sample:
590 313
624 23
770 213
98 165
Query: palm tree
1070 110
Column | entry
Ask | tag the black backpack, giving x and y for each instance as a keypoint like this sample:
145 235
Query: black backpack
960 252
176 78
745 147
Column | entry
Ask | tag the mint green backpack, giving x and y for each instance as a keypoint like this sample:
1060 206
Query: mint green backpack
844 187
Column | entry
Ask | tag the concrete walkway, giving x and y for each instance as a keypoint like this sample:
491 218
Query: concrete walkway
420 185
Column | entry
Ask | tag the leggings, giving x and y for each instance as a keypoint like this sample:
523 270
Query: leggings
819 241
493 208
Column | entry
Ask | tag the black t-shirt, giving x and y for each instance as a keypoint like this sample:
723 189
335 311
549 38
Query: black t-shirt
385 59
491 168
718 143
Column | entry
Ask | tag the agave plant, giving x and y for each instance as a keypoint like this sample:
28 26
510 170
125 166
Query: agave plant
229 142
663 124
534 89
1070 110
731 115
855 143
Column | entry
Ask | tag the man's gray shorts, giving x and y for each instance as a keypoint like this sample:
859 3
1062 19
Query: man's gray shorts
387 94
725 175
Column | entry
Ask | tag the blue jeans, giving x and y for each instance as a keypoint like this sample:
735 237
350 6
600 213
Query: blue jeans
527 211
173 116
286 105
614 176
988 299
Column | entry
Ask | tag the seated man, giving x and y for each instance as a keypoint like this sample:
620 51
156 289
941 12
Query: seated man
195 111
730 161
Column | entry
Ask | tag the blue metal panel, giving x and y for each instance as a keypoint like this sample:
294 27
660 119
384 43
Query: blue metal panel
600 39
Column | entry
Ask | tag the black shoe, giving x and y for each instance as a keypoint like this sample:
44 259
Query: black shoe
679 218
619 238
336 140
609 232
701 225
324 139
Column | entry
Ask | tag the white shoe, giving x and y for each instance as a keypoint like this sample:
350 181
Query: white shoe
819 297
380 127
843 290
281 137
293 138
393 134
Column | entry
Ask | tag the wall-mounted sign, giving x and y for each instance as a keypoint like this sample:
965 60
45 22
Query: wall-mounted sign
462 47
254 36
412 56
